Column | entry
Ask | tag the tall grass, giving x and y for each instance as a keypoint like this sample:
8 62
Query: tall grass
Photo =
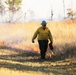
19 35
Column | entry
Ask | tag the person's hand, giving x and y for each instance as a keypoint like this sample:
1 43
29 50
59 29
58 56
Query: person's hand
33 41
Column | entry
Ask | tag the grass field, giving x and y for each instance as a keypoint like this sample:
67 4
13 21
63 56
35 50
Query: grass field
19 56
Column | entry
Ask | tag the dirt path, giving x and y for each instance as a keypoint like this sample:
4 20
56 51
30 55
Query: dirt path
31 64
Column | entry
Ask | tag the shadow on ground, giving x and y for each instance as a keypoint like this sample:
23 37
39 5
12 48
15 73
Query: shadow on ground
25 61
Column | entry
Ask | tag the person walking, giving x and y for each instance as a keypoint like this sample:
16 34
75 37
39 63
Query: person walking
44 36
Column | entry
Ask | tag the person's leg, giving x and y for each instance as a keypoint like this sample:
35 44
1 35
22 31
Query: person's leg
43 47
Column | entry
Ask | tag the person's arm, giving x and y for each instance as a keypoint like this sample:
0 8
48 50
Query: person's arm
35 35
50 37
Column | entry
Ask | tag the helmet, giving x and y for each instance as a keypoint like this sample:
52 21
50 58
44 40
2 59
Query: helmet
43 23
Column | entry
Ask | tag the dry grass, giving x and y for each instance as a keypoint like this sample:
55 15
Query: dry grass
16 39
5 71
26 64
19 35
64 35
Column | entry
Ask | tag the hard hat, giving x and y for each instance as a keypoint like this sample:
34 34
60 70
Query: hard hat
43 23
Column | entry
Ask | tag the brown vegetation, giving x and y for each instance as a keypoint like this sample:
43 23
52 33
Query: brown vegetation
19 56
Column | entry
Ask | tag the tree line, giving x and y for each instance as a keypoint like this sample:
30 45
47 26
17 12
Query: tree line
12 7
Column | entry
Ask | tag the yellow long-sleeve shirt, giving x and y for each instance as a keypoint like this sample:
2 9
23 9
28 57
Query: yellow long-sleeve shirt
43 34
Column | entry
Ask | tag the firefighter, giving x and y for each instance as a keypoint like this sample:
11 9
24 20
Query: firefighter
44 36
